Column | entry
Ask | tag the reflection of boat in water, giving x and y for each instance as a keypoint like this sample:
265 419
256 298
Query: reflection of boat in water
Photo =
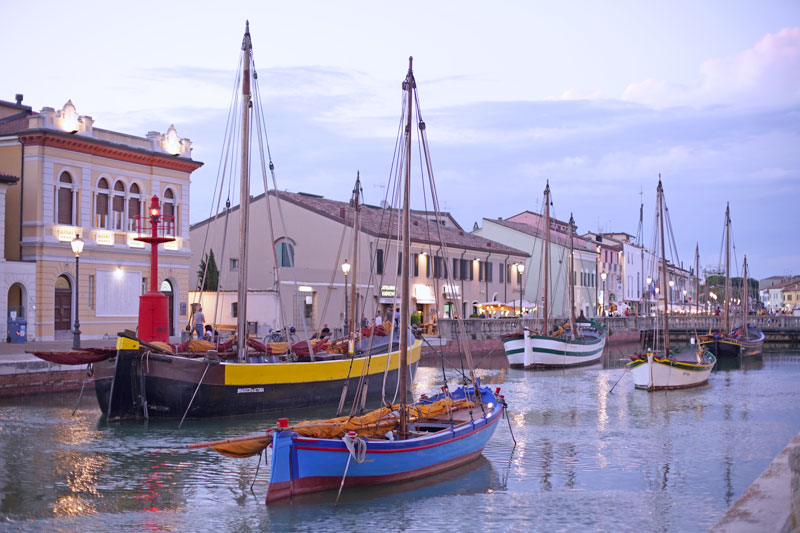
390 445
671 369
740 363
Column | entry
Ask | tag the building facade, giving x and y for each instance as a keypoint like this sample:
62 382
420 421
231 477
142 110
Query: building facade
303 261
77 180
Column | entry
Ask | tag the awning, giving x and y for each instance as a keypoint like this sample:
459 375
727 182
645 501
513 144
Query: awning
423 294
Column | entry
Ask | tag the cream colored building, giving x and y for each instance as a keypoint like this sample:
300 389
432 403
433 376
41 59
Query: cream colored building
317 240
77 179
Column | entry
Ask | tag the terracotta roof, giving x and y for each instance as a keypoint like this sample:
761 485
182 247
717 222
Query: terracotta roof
375 221
555 236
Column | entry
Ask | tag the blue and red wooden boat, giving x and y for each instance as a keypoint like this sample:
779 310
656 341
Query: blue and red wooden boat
303 465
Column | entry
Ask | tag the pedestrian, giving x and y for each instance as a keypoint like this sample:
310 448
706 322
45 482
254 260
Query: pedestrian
199 322
397 317
378 319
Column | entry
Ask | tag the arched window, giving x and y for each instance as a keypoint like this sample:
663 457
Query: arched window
284 251
118 207
101 204
64 199
169 209
134 207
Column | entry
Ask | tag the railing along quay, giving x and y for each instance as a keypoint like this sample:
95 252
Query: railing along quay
777 329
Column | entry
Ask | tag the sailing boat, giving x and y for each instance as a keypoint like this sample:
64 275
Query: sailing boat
392 444
147 379
581 343
670 369
723 343
750 335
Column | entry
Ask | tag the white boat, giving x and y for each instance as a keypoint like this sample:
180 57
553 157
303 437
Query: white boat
579 342
670 369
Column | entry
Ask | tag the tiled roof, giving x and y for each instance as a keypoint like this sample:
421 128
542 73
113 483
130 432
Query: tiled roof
555 237
376 222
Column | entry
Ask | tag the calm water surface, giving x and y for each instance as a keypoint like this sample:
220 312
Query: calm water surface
586 459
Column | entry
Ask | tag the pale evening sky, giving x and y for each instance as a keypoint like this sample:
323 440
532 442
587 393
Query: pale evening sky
597 97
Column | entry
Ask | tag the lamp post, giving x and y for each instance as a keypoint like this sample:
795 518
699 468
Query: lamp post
684 299
647 301
346 270
521 269
603 276
669 295
77 248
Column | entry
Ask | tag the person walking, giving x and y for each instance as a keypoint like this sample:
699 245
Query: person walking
199 322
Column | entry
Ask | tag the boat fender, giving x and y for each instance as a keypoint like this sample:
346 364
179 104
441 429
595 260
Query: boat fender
356 446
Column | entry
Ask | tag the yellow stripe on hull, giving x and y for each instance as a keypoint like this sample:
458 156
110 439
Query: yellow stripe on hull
340 369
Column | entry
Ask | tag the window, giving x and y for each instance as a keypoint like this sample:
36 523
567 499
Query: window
144 285
91 292
416 265
481 266
500 272
465 274
488 271
101 204
234 263
284 251
134 207
399 263
379 258
118 207
64 199
235 309
455 268
170 212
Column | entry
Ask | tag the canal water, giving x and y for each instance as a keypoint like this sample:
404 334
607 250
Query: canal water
586 458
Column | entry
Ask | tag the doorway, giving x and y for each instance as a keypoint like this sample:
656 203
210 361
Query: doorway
166 290
63 308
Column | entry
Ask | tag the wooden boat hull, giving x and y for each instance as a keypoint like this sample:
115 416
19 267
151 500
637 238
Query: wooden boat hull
550 352
722 347
303 465
134 384
654 373
753 343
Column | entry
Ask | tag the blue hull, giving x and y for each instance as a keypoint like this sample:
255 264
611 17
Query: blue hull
302 465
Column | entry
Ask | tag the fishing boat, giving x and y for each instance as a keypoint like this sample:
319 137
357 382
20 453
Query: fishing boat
575 343
681 368
723 343
403 442
750 335
146 377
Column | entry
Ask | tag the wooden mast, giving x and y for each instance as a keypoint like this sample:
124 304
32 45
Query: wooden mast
571 277
546 301
244 198
697 279
408 85
727 329
663 268
356 229
745 301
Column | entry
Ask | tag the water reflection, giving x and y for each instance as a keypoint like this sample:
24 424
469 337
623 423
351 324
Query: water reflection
586 459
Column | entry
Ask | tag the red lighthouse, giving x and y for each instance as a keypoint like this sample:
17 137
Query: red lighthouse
153 305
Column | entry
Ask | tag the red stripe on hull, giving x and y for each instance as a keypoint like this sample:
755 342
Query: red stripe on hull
288 489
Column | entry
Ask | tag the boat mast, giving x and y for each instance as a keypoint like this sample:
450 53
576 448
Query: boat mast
663 268
356 229
697 279
546 255
408 85
727 268
746 300
244 198
571 278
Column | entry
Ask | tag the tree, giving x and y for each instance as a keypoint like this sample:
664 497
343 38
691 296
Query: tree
211 273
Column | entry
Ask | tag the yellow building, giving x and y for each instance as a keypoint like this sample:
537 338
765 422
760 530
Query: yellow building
78 180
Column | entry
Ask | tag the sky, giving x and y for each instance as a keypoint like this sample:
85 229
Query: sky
596 97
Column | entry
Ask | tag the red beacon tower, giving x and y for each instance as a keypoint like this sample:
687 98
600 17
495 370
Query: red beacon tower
153 305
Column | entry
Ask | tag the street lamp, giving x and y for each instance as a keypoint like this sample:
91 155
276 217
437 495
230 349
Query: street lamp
346 270
603 276
669 295
521 269
77 248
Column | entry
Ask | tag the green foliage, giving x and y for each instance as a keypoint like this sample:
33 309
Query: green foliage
211 273
416 318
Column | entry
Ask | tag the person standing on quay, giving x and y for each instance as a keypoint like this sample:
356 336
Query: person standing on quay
199 322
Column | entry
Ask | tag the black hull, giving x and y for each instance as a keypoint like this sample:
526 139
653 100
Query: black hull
723 348
164 390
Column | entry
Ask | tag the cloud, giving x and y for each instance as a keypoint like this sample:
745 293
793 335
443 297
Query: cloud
766 75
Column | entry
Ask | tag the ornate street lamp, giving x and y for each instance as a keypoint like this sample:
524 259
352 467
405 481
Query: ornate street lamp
669 295
603 276
346 270
77 248
521 269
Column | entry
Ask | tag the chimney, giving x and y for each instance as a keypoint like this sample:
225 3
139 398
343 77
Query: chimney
18 98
